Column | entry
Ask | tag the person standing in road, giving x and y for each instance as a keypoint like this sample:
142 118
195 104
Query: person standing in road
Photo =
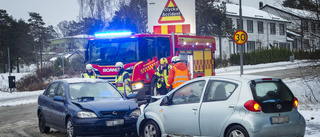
162 76
122 78
178 74
89 72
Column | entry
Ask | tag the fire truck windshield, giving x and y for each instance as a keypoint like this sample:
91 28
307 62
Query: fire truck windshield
108 52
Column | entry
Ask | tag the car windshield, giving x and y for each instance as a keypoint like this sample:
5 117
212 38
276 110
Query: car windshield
271 91
96 90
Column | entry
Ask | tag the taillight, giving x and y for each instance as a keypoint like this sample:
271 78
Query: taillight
253 106
295 102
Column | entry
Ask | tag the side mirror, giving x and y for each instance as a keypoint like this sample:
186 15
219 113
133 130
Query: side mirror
165 101
130 96
58 98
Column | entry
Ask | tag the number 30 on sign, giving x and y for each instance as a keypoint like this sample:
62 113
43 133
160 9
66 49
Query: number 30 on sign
240 37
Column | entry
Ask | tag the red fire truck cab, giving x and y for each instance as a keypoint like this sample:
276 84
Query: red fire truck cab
140 54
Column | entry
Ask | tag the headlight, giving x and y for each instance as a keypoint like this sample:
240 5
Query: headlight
136 113
136 86
85 114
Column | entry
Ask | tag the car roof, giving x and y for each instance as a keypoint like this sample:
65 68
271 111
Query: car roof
241 77
82 80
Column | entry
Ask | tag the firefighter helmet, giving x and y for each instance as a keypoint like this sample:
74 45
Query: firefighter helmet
119 64
175 59
89 66
163 61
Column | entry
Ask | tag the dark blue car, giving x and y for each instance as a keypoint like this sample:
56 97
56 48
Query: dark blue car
86 107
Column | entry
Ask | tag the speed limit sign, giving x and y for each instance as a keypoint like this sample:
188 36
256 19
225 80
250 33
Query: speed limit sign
240 37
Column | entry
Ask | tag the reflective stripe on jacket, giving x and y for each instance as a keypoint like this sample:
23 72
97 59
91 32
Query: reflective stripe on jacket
180 76
86 75
119 79
163 77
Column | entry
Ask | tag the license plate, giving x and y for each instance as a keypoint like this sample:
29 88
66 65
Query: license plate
115 122
280 119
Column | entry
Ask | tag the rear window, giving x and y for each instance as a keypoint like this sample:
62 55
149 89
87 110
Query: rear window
272 91
273 96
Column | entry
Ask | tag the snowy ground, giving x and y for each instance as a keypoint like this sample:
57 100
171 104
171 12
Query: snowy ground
308 107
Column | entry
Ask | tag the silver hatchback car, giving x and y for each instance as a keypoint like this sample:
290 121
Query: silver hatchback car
225 106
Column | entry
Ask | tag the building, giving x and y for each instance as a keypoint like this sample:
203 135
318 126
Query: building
264 30
65 45
303 29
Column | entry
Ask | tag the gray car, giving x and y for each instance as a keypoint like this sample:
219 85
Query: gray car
225 106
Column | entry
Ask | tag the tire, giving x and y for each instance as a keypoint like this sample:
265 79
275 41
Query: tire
151 129
42 124
237 131
70 130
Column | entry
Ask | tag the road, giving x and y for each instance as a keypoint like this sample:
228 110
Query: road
22 120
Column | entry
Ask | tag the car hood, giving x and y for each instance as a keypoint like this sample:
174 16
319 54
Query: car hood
107 104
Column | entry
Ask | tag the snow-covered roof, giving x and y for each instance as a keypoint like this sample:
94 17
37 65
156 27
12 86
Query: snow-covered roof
251 12
295 12
65 55
79 36
290 39
293 33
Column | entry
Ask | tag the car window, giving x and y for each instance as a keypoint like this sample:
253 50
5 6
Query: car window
50 90
219 90
61 91
271 91
190 93
96 90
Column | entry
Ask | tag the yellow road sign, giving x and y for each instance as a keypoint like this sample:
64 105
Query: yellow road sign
240 37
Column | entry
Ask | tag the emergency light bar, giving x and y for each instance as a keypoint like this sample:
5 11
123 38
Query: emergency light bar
113 34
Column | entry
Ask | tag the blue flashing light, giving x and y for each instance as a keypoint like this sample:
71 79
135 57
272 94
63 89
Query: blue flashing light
210 46
192 45
113 34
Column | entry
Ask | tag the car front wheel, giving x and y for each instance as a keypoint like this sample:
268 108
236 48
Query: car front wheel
151 129
237 131
70 130
42 124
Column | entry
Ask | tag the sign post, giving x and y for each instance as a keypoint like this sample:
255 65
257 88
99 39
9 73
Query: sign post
240 37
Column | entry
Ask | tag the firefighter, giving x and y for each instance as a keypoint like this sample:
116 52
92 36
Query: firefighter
89 72
178 74
122 78
162 76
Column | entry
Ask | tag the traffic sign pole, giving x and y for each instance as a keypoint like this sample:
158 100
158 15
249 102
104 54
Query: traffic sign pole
241 27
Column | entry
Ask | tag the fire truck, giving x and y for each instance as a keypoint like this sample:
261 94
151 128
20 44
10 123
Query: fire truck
141 55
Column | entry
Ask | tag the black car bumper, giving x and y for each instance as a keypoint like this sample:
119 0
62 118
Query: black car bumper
98 126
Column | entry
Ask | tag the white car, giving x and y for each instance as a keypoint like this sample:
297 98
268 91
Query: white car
225 106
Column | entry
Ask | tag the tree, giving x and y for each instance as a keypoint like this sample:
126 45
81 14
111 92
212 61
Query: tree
131 16
98 9
38 31
5 30
211 20
22 47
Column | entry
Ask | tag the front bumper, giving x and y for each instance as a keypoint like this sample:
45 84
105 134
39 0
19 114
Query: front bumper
98 126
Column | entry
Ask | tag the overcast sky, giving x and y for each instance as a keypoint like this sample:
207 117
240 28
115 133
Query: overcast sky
55 11
52 11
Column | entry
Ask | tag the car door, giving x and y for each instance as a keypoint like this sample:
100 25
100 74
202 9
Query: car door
46 102
219 101
58 107
181 117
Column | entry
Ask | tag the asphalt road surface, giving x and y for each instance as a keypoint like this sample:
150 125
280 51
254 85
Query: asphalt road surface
22 121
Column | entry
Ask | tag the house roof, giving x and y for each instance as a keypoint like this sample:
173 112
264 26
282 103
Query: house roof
293 12
65 55
250 12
